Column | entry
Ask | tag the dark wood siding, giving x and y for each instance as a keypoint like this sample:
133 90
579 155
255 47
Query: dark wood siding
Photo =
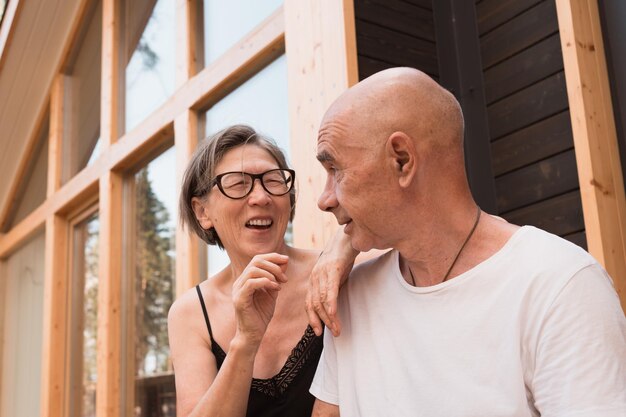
392 33
520 70
532 150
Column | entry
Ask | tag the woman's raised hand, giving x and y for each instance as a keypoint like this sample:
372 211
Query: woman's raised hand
254 295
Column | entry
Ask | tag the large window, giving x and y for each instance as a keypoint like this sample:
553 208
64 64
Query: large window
20 384
151 38
226 22
84 317
82 94
260 102
153 285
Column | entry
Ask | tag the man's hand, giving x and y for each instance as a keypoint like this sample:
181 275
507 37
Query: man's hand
328 274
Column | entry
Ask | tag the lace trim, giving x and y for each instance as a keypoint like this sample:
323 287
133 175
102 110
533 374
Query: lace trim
308 345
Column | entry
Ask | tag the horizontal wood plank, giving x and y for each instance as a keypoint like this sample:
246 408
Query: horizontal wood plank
561 215
369 66
397 15
397 48
425 4
523 69
519 33
537 182
492 13
538 141
528 106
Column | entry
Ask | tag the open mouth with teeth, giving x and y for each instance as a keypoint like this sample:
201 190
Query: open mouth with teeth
259 224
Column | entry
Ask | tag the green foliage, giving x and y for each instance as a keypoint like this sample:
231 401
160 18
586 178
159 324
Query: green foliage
153 279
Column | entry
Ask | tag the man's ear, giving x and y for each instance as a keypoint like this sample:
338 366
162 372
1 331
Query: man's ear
201 212
401 152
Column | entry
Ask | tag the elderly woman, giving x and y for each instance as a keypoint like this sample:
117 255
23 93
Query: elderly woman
240 343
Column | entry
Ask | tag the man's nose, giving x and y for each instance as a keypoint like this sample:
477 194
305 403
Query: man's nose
328 199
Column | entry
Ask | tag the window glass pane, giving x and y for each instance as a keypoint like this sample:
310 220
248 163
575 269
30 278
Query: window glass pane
84 318
153 285
82 94
20 384
3 6
150 70
260 102
226 22
32 187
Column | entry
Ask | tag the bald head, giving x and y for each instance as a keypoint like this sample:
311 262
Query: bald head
402 99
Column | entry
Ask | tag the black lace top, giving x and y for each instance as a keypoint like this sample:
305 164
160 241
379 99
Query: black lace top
287 392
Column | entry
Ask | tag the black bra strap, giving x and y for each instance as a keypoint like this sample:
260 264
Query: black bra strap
206 315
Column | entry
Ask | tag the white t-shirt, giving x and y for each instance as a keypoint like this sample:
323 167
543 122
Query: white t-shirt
536 329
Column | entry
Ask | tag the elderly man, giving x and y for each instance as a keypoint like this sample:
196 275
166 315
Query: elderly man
467 315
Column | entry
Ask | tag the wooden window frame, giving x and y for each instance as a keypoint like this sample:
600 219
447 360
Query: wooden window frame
81 214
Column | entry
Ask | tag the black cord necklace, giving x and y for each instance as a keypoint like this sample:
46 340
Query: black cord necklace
458 253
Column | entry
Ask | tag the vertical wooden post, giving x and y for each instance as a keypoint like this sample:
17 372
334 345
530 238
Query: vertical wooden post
595 138
108 399
54 317
189 249
320 43
56 276
110 384
110 93
186 40
55 135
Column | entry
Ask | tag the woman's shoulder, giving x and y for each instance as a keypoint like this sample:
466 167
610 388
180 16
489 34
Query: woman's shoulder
304 258
184 306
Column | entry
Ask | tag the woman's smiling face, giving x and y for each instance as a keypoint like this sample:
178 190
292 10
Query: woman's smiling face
254 224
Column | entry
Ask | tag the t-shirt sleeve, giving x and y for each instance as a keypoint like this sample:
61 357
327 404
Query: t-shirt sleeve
580 361
324 386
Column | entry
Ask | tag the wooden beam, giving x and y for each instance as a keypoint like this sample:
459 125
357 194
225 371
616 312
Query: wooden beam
252 53
595 139
321 63
111 88
55 134
188 248
54 317
109 353
187 64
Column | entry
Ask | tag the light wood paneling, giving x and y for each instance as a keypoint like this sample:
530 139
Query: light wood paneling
188 247
55 317
3 307
10 16
322 63
258 48
28 69
595 139
109 297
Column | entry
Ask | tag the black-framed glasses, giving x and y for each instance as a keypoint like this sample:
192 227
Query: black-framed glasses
239 184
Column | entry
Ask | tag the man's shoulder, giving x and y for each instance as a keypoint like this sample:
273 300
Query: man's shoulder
374 266
536 253
551 247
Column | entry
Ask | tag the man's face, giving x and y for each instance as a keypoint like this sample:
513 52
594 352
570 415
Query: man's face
355 190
